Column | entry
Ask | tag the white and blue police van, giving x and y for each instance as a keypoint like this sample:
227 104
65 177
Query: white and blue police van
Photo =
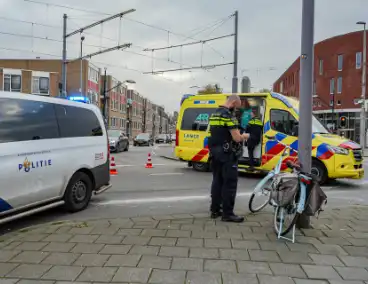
53 152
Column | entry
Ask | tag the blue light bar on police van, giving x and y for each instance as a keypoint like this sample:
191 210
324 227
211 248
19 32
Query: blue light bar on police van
79 99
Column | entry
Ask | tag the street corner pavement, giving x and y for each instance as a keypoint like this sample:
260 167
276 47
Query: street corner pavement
189 248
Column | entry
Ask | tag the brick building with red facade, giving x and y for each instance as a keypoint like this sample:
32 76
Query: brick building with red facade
337 81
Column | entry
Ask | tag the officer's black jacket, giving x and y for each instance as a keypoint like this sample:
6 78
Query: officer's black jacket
254 128
221 122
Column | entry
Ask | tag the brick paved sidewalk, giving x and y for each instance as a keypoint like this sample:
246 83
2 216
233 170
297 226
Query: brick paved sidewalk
192 249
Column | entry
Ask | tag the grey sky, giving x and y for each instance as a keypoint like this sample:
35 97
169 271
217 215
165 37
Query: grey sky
269 36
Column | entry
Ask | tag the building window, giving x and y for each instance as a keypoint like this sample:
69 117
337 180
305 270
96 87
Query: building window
339 85
332 86
358 60
319 104
338 103
12 83
331 103
314 89
281 86
340 59
40 85
321 67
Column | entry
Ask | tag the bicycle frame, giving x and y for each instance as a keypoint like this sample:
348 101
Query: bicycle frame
275 171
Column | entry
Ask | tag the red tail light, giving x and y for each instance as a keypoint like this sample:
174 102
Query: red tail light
177 137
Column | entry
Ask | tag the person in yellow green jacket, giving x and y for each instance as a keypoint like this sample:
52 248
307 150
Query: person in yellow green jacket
254 128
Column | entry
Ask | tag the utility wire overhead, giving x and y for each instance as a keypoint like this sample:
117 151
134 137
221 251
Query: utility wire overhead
125 18
183 69
189 43
89 45
52 26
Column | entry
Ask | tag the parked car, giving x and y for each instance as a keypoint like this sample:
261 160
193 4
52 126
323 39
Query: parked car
118 141
162 138
173 137
143 139
53 152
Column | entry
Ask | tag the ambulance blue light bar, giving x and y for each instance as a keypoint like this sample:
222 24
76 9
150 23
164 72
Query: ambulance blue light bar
79 99
184 97
210 102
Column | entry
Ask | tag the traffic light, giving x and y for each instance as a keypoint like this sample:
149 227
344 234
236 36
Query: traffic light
343 122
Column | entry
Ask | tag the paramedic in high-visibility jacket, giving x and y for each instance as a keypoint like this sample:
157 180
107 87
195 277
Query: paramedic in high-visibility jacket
225 145
254 128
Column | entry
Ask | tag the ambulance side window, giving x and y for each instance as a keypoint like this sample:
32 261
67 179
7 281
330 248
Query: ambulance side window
282 121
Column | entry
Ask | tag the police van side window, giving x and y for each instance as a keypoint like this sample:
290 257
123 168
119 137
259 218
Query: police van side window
196 119
24 120
77 122
282 121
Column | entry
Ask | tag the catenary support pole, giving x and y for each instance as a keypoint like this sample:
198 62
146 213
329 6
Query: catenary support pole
104 96
364 77
235 71
306 89
63 71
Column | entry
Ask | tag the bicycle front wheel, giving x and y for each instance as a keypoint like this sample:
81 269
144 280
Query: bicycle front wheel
285 218
261 195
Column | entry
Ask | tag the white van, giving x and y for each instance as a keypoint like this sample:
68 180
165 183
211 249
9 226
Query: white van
52 152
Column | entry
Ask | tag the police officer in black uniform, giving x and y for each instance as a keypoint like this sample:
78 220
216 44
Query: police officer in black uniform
225 144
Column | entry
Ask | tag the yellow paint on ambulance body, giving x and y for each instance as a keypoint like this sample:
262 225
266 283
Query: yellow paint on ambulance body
192 132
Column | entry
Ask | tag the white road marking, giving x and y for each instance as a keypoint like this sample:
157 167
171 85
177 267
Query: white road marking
165 174
142 165
161 199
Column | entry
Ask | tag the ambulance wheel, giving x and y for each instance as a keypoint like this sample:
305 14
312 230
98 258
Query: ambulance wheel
319 170
78 192
201 167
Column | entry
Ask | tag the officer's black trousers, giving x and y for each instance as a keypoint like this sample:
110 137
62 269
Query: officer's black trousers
224 185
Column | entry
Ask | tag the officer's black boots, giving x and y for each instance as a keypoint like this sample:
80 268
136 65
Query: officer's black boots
215 215
233 218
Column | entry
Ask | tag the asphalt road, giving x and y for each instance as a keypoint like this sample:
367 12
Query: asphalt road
170 187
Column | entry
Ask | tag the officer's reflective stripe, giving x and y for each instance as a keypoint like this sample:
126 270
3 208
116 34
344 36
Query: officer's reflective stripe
221 123
256 122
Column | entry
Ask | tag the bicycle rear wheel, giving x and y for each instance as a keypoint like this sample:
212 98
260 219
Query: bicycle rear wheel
261 195
289 215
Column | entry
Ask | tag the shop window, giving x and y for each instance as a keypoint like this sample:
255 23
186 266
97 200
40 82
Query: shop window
12 83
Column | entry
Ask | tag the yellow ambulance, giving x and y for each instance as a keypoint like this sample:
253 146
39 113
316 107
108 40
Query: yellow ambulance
332 156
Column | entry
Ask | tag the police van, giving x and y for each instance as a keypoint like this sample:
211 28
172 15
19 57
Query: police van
53 152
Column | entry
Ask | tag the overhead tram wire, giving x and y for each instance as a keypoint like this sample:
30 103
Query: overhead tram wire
89 45
51 26
125 18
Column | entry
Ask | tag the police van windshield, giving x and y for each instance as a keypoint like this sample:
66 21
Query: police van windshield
196 119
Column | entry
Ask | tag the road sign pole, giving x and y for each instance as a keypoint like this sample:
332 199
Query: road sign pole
306 90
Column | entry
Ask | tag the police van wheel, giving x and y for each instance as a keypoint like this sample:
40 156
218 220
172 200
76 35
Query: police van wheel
201 167
78 192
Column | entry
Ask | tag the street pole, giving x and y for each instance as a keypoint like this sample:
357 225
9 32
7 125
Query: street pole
104 96
81 65
306 89
364 76
334 125
63 71
235 71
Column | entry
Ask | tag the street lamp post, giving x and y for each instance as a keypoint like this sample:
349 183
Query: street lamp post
362 111
81 64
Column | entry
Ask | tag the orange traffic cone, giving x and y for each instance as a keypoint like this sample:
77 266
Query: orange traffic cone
113 170
149 162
